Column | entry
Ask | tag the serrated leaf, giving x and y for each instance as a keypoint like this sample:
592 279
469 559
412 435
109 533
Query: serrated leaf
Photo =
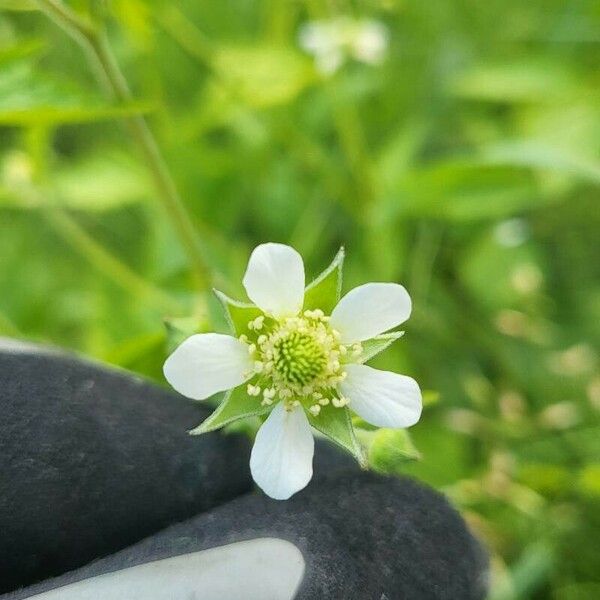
238 314
390 449
336 424
378 344
236 404
324 292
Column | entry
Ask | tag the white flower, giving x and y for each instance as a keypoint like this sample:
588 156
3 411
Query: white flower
299 365
333 42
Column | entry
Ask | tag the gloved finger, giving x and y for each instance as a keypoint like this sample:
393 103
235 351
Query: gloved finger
93 459
357 536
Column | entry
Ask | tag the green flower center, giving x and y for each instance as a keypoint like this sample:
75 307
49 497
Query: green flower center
298 361
299 358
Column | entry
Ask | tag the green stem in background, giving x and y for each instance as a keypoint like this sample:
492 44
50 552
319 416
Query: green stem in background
186 34
348 126
346 119
38 143
352 140
94 42
106 263
100 258
424 253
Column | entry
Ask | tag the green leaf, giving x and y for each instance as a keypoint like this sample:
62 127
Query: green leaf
378 344
235 405
336 424
55 115
324 292
264 75
238 314
519 81
103 181
528 572
24 48
18 5
589 480
538 155
469 189
390 449
29 97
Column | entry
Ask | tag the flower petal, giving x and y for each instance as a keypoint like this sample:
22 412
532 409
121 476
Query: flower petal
274 279
370 309
382 398
207 363
281 458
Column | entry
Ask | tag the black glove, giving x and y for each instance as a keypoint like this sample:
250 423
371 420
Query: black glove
93 459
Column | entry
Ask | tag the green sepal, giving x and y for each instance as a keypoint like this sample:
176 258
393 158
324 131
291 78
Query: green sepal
336 424
324 291
238 314
236 404
179 329
378 344
390 450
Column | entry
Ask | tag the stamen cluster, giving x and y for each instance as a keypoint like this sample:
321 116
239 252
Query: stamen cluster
298 360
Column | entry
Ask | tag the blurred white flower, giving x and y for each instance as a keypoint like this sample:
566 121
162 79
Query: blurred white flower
17 168
576 360
512 405
526 278
561 415
593 392
511 232
333 42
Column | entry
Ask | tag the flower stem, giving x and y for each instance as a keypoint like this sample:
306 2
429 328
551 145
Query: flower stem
93 40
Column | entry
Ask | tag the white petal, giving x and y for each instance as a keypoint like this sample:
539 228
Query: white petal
370 309
281 458
382 398
207 363
274 280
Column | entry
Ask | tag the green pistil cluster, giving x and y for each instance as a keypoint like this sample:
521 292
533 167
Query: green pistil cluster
298 360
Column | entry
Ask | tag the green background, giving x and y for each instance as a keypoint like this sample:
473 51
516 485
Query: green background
466 166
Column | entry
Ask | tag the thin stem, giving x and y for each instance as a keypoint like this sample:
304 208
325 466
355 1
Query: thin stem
308 152
187 35
94 42
353 143
37 140
105 262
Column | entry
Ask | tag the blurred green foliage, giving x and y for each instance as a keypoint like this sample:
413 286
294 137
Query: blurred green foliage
465 165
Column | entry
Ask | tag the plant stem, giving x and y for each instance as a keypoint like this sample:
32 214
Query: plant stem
105 262
94 42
